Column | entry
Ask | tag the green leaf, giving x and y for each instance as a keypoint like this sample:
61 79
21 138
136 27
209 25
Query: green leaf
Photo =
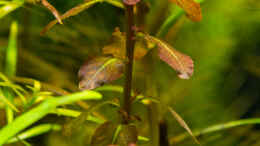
7 102
116 3
10 70
35 131
9 7
97 71
11 52
215 128
35 114
75 114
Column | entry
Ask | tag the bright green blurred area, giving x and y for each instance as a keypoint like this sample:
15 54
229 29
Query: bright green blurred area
224 46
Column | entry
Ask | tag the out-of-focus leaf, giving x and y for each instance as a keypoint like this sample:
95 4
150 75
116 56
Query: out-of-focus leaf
116 133
35 131
12 51
192 8
104 134
183 64
9 7
7 102
97 71
183 124
74 125
72 12
116 3
117 47
46 4
131 2
128 136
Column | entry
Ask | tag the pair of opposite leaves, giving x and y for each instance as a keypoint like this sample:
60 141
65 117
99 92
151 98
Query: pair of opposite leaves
97 71
191 8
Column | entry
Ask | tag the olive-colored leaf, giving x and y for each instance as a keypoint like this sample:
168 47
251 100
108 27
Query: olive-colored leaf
72 12
103 135
97 71
128 136
183 123
183 64
75 125
192 9
51 8
117 47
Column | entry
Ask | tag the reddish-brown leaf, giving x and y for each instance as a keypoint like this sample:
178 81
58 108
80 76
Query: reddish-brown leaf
183 64
97 71
46 4
192 8
72 12
117 47
131 2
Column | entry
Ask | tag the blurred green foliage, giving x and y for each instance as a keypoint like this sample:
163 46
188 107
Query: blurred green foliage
224 47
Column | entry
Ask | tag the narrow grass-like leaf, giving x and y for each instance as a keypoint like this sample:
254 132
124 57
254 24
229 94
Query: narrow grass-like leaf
183 124
3 2
10 68
182 63
116 133
9 7
50 7
143 139
75 114
44 86
215 128
97 71
11 52
35 131
3 77
191 7
42 110
25 143
113 88
115 3
7 102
